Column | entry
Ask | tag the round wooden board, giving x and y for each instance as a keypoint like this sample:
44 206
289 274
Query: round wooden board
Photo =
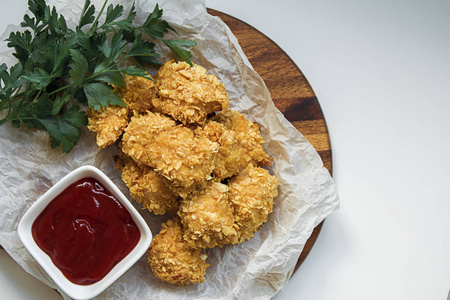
290 91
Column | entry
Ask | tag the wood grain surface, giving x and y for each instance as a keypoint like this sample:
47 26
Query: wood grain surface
290 91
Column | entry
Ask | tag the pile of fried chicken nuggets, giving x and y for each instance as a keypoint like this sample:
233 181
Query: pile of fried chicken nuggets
179 157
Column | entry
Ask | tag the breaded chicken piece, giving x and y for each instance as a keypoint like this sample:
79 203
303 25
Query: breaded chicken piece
137 93
248 137
228 160
182 157
187 93
172 260
108 123
183 192
140 132
251 195
147 187
207 217
240 143
173 151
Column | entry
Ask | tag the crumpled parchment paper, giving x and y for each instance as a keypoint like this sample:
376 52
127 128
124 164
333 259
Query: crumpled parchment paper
256 269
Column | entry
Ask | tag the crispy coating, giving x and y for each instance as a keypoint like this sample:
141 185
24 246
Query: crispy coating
182 157
140 132
240 143
147 187
108 123
251 195
172 260
187 93
183 192
228 160
137 93
207 217
173 151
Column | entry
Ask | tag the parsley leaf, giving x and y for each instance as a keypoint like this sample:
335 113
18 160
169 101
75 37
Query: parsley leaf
175 46
87 14
40 78
100 95
112 77
154 26
10 80
21 42
113 50
65 129
133 71
143 52
112 14
79 67
59 102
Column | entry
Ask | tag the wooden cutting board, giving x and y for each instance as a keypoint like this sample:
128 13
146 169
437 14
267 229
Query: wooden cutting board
291 93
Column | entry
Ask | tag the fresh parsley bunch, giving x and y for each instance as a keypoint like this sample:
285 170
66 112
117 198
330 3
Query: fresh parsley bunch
58 65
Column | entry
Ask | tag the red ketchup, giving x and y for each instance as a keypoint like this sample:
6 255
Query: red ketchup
86 231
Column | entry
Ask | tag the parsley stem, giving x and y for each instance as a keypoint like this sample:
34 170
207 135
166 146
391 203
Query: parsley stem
16 97
86 5
21 101
61 89
23 118
106 70
3 108
22 108
94 25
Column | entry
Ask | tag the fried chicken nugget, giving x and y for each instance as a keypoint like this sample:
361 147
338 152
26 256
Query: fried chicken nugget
140 132
240 143
187 93
187 160
147 187
183 192
251 195
172 260
137 93
173 151
207 217
108 123
228 160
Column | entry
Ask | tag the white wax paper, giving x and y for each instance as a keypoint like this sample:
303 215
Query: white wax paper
256 269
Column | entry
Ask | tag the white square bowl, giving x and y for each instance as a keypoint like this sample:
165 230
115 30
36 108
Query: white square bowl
71 289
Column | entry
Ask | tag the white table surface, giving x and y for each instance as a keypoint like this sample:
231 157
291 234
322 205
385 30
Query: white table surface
381 72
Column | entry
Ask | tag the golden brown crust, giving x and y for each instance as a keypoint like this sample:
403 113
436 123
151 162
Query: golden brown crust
172 260
182 157
240 143
147 187
227 161
248 137
173 151
140 132
251 195
137 93
207 217
108 123
187 93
